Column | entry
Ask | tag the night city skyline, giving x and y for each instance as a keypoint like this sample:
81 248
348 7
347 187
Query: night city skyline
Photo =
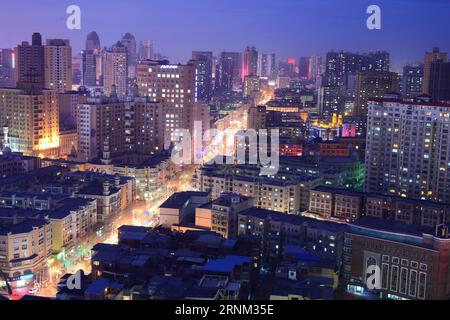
222 158
289 28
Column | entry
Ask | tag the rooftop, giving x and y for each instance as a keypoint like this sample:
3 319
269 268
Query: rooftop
179 199
379 226
23 227
294 219
226 264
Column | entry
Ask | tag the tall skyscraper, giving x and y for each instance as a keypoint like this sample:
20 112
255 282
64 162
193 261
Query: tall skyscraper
7 68
412 80
146 50
267 67
287 68
252 86
30 63
228 72
91 61
129 42
89 65
174 86
58 65
341 68
407 151
439 85
317 67
115 70
77 69
304 68
430 57
249 62
373 85
378 61
92 41
204 61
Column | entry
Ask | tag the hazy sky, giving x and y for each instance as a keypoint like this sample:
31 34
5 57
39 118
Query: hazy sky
287 27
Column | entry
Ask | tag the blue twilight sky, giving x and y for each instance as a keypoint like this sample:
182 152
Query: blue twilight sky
287 27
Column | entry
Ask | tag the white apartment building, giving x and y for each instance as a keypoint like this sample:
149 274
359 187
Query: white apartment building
408 149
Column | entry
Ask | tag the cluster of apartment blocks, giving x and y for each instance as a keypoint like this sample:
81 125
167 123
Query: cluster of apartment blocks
350 243
149 173
160 264
233 215
346 205
289 190
52 215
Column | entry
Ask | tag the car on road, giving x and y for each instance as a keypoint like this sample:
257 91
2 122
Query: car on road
35 290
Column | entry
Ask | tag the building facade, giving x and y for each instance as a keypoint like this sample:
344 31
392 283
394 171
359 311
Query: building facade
407 152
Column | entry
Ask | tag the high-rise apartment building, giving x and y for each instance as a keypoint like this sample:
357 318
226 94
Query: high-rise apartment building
412 81
249 62
106 124
204 67
408 149
91 61
146 50
439 84
287 68
430 57
317 67
304 68
228 72
341 68
7 68
115 70
267 67
32 118
77 69
93 41
174 86
89 68
30 72
58 65
144 126
30 111
373 85
252 86
129 42
101 128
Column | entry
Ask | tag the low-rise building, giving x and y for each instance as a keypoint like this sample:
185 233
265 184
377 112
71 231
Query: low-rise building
180 208
12 164
24 249
203 216
151 173
348 205
393 260
290 196
278 231
410 211
224 213
73 222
